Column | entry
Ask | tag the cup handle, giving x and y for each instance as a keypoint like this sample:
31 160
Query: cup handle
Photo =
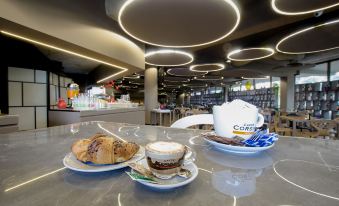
189 156
260 121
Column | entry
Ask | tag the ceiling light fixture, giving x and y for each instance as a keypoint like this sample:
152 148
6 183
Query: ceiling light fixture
129 2
276 9
68 52
193 67
168 51
237 51
174 81
173 74
302 31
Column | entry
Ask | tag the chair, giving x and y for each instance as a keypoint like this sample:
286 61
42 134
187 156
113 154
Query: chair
199 119
325 127
281 130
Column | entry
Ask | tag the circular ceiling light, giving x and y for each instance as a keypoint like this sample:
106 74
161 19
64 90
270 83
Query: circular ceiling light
261 77
250 54
168 58
209 78
313 39
207 67
171 23
184 72
300 7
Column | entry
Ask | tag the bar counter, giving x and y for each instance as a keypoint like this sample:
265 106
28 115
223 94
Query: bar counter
296 171
133 115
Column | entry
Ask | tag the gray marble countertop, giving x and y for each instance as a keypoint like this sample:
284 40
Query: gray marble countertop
295 172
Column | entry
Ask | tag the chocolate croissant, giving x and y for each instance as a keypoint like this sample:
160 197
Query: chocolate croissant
101 149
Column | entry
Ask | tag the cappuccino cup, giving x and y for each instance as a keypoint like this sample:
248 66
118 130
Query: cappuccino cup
165 159
236 118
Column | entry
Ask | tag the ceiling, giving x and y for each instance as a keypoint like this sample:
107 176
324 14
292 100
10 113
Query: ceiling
83 23
260 26
90 24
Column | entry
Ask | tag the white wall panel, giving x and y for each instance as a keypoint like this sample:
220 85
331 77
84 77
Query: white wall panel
55 79
41 117
26 117
63 93
19 74
52 94
14 94
35 94
40 76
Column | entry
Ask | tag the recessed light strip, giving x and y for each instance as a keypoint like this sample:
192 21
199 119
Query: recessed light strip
68 52
276 9
305 30
271 52
230 2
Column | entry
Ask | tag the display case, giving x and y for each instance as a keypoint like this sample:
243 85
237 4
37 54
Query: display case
264 98
208 96
320 99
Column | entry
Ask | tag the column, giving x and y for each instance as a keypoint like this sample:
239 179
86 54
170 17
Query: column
181 99
151 92
226 88
287 85
283 93
290 92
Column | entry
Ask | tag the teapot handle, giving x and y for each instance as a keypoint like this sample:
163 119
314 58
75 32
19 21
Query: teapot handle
260 121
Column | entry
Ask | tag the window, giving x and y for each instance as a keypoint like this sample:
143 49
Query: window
218 90
247 85
262 83
236 87
334 70
312 75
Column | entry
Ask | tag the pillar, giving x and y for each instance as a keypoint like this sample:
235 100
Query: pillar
290 92
226 88
283 93
287 85
181 99
151 92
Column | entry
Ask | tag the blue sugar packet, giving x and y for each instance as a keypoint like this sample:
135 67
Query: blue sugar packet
261 138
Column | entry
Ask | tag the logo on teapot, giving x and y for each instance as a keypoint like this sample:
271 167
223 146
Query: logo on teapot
244 129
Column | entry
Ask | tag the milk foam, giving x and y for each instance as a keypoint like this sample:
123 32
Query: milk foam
165 147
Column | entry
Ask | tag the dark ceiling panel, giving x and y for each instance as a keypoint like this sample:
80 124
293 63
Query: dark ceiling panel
178 23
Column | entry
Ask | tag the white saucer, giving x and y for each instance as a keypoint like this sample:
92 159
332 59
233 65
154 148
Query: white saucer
71 162
236 149
174 182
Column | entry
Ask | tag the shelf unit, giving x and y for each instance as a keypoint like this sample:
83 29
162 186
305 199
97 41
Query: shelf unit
264 98
206 97
319 99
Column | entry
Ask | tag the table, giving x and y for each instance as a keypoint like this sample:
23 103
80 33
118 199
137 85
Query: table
294 120
160 112
297 171
190 112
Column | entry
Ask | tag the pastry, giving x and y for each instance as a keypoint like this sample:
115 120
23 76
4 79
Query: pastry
101 149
